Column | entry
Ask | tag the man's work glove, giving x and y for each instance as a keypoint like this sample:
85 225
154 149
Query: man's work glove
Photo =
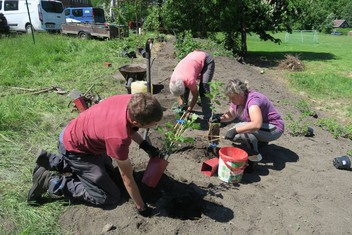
150 149
230 134
146 212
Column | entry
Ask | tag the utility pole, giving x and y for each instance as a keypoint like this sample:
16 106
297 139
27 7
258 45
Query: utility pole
30 22
112 5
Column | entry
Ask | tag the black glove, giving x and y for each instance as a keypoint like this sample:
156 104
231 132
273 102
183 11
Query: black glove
215 119
150 149
230 135
147 212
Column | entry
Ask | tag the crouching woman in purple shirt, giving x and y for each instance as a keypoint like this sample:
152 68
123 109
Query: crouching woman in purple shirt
259 121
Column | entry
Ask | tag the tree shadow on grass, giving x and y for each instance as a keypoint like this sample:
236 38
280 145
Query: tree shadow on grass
272 59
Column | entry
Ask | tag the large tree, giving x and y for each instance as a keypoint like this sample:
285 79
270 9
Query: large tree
235 18
318 15
264 17
343 10
180 15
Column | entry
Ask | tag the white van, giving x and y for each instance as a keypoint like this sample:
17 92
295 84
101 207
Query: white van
44 15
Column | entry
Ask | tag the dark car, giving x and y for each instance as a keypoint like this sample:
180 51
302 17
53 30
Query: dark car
4 27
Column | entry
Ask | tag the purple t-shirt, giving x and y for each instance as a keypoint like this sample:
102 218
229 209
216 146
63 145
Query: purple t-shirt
269 113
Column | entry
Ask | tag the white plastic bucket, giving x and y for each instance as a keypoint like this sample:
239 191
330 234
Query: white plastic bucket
140 86
232 162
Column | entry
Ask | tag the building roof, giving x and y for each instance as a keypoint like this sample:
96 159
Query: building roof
338 23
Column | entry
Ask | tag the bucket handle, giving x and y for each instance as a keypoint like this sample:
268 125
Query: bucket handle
232 168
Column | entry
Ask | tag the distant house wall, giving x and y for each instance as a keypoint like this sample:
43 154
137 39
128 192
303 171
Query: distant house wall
340 24
76 3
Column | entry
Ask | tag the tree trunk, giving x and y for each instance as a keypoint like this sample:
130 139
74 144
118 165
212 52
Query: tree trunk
243 40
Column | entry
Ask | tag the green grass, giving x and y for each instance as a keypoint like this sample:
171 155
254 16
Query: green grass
327 76
30 122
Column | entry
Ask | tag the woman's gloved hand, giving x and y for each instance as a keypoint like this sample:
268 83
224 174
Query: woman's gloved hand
230 134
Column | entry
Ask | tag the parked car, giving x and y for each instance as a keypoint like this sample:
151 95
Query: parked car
4 27
84 15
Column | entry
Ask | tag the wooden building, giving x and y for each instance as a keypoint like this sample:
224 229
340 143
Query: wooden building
340 24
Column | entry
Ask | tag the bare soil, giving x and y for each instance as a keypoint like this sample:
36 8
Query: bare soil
295 189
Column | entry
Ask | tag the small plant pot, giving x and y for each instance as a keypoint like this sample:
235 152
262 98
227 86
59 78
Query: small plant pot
343 162
213 133
155 169
80 104
310 132
107 64
210 167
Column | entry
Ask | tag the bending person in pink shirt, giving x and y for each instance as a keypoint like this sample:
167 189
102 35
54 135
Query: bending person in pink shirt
87 146
196 67
258 119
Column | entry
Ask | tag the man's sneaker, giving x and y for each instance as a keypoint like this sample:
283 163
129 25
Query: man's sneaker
41 178
43 159
35 169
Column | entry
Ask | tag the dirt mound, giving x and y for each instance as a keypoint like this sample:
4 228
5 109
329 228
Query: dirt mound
295 189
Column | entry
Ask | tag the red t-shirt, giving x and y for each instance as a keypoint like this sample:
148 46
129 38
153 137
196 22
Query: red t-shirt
103 128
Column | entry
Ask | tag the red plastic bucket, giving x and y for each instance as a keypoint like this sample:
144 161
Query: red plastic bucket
155 169
232 163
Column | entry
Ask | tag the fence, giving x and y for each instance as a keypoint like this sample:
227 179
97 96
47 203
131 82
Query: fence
302 36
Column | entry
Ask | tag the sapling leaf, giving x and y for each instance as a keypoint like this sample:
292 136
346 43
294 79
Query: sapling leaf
187 140
173 133
195 126
168 125
194 117
215 94
159 128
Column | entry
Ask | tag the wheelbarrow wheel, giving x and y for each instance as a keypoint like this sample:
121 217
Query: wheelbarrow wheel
128 84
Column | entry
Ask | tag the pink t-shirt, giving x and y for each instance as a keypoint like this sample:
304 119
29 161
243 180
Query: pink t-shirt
189 69
103 128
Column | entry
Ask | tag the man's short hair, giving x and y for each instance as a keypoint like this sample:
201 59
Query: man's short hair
144 108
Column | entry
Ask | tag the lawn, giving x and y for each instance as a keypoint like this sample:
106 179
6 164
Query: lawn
327 78
30 121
